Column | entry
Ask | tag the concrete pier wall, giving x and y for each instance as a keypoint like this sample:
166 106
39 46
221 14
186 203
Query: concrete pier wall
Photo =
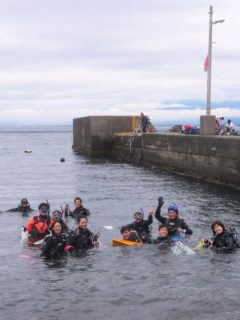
93 135
212 158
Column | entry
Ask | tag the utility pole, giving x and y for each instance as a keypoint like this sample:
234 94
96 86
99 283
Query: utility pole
209 71
208 121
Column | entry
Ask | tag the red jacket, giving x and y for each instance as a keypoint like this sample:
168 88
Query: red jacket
34 224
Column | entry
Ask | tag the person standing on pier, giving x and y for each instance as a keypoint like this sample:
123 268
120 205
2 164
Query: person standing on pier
144 121
218 126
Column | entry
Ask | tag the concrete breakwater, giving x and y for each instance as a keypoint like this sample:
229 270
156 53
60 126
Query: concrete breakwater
212 158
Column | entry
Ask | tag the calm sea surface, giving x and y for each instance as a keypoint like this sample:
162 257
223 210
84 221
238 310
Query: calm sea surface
109 283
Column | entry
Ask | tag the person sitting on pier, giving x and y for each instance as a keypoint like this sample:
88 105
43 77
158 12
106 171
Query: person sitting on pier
173 222
187 128
223 240
24 207
78 211
142 226
230 127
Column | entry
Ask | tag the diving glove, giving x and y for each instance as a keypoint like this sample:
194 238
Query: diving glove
160 201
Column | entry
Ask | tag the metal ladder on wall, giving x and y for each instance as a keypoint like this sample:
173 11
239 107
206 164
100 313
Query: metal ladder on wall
137 130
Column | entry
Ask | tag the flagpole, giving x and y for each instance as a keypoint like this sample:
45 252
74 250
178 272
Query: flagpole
208 121
209 70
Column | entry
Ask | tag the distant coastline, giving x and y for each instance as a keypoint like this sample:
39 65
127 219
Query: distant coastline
36 128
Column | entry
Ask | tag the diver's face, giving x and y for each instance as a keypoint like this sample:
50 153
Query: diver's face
172 214
43 213
57 228
126 234
138 217
56 216
163 232
25 204
218 229
83 223
77 203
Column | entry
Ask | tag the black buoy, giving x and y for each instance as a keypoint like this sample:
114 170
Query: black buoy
62 160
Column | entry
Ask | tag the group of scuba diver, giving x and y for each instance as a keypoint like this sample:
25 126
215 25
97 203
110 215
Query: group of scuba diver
173 229
57 239
52 233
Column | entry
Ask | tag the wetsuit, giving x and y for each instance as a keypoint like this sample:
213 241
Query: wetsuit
82 239
53 245
80 211
142 228
134 236
225 242
162 242
24 210
172 224
38 226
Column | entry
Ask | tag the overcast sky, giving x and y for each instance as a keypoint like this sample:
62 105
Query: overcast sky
62 59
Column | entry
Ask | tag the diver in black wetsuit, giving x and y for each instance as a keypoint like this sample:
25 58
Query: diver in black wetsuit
173 222
223 240
163 239
142 226
56 244
83 238
78 211
57 216
23 207
130 235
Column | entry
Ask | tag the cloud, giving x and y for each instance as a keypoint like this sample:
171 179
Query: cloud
64 59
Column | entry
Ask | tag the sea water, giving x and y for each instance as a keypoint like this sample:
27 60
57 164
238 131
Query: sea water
109 282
